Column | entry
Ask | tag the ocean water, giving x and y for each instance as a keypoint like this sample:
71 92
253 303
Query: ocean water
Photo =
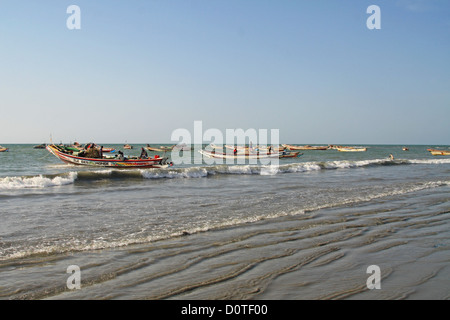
307 229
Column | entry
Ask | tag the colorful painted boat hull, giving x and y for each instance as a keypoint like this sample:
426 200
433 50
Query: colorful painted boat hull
114 163
291 155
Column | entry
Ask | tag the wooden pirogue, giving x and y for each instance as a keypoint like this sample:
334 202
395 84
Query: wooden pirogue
68 156
437 152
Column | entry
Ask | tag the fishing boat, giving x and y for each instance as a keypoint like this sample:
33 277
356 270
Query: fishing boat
405 149
156 149
351 149
71 157
220 155
437 152
306 147
290 154
3 149
248 149
127 146
40 146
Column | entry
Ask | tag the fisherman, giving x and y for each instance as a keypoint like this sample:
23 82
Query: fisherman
144 154
120 155
101 152
391 156
235 151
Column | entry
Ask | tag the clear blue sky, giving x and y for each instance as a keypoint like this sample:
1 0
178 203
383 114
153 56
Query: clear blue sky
139 69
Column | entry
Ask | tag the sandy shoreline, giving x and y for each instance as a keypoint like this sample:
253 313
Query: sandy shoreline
317 255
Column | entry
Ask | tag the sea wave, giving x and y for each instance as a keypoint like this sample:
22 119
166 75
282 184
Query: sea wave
39 181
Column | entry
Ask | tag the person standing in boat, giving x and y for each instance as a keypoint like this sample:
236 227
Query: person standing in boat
144 154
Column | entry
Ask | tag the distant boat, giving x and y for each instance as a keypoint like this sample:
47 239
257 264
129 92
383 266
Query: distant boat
3 149
155 149
160 149
40 146
290 154
437 152
248 149
107 150
306 147
405 149
220 155
351 149
127 146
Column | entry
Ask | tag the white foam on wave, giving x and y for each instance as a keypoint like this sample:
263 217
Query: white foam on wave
40 181
192 172
338 164
429 161
204 171
241 169
103 171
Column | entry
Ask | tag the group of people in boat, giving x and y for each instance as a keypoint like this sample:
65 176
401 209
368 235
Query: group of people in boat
91 150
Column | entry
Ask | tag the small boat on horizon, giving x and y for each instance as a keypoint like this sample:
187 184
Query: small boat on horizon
305 147
160 149
108 150
3 149
351 149
127 146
